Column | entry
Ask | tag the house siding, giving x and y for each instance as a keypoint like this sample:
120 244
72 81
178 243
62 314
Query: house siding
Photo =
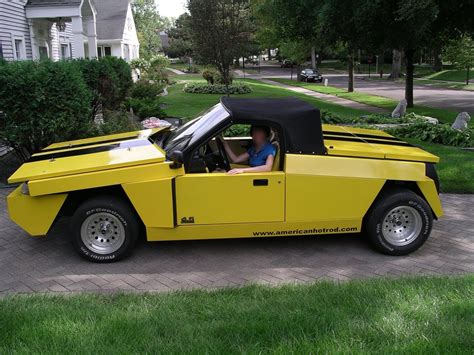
13 23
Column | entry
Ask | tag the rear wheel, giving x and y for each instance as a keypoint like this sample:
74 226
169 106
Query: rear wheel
399 222
105 229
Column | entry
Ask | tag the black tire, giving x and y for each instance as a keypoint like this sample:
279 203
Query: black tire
399 222
111 241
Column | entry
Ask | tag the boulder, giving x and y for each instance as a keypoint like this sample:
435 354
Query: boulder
461 121
400 110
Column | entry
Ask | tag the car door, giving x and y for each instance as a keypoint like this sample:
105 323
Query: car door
218 198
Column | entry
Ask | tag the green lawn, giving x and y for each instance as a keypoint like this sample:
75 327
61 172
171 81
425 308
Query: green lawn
442 115
181 104
410 315
456 167
450 75
446 84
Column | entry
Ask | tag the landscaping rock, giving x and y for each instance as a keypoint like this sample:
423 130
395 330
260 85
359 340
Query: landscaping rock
400 110
461 121
431 120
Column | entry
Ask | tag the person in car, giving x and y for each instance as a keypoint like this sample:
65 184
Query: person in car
259 156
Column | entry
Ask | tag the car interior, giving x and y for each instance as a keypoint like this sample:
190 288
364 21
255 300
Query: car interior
211 156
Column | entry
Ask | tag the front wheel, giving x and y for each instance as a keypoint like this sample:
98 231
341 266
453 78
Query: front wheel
105 229
399 222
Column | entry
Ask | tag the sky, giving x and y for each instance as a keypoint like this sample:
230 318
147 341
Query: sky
171 8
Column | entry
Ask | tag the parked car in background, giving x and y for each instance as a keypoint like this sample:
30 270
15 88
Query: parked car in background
311 75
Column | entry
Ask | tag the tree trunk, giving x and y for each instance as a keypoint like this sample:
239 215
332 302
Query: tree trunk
350 68
467 76
313 57
318 61
269 52
396 64
437 64
409 54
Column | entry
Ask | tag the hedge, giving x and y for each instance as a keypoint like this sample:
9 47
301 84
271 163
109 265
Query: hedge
202 88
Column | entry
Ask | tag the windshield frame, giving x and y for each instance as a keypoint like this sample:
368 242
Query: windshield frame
197 129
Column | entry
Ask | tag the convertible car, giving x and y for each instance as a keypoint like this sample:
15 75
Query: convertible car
171 184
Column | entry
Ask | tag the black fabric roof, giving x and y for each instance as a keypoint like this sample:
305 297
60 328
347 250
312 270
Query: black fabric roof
299 121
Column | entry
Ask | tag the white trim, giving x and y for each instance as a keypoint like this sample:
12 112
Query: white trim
18 37
52 11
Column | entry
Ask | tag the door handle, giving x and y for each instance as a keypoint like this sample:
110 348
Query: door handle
260 182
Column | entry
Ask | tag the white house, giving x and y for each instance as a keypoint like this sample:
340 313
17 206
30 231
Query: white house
61 29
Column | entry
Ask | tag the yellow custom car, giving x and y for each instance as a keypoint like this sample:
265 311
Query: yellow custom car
171 184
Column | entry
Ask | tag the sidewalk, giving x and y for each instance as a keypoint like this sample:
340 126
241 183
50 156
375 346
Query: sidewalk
330 98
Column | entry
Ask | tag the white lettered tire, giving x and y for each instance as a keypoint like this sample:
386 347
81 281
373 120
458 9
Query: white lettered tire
105 229
399 222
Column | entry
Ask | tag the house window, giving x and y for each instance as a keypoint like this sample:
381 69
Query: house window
65 52
43 52
103 51
19 49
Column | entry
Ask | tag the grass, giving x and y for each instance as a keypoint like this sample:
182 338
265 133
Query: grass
181 104
456 167
442 115
449 75
408 315
446 84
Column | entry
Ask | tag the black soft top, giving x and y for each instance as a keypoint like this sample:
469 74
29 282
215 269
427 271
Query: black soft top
297 120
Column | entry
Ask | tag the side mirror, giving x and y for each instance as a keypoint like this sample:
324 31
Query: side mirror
177 159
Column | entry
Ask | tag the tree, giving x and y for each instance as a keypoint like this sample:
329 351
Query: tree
461 53
180 38
219 31
149 24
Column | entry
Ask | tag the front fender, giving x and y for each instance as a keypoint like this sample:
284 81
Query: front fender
430 192
35 214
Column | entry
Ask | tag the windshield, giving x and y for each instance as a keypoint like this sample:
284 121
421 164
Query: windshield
195 129
309 71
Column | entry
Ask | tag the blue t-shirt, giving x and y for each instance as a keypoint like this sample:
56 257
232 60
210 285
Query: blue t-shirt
260 158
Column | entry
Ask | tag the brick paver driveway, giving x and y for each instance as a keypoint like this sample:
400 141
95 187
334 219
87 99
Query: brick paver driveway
51 265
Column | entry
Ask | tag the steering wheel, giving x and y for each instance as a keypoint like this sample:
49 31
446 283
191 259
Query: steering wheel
223 155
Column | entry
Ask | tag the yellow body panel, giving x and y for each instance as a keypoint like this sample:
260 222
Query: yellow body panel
76 164
428 189
372 149
253 230
102 178
153 201
221 198
34 214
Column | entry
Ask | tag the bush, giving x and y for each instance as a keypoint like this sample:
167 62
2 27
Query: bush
208 75
144 89
145 108
200 88
218 79
237 130
435 133
116 122
109 80
43 102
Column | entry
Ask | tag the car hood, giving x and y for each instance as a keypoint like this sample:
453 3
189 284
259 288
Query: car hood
369 143
92 154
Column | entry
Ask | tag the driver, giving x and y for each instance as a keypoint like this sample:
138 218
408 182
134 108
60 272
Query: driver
260 156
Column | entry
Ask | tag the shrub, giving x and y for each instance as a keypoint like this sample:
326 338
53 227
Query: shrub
435 133
145 108
218 79
141 64
144 89
109 80
208 75
156 71
116 122
238 130
43 102
201 88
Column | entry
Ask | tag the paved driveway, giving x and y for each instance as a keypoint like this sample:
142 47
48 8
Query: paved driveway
51 265
455 100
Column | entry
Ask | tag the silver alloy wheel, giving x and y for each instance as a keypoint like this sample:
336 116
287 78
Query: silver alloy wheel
102 233
402 225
